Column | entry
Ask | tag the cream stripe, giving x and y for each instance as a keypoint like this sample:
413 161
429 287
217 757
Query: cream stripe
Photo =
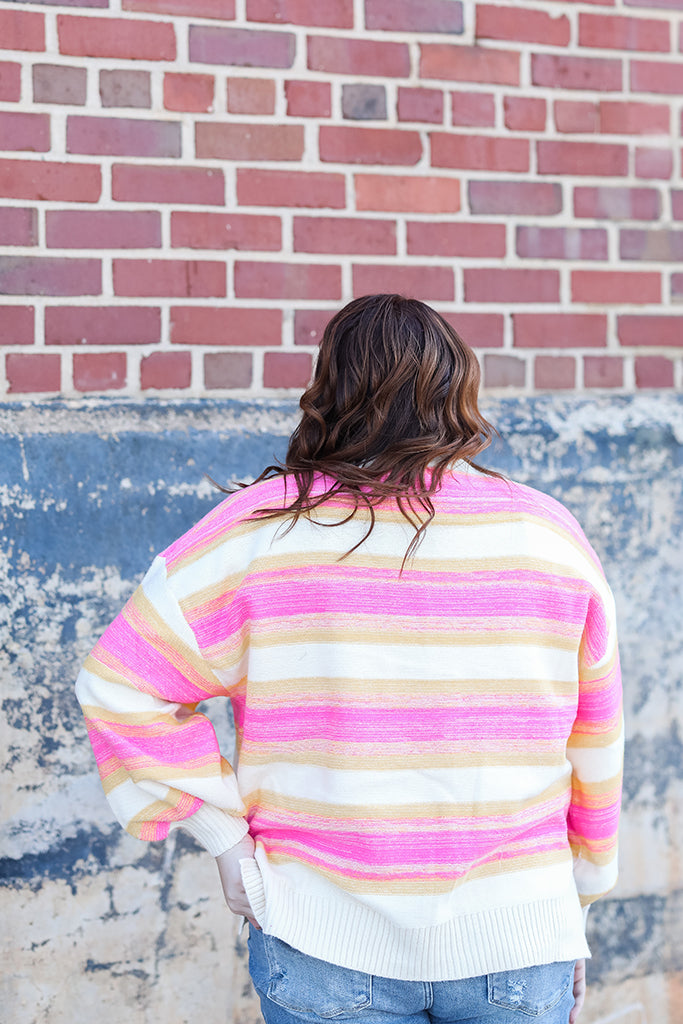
394 786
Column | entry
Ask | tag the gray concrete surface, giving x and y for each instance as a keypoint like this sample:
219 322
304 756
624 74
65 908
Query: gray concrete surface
101 926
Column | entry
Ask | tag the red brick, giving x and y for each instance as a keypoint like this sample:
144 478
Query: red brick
101 371
602 74
605 202
559 330
353 235
611 32
20 131
589 158
414 15
103 229
249 141
27 373
331 14
287 369
22 30
479 330
407 194
122 136
225 231
519 24
17 325
677 287
313 189
349 145
491 284
227 370
603 372
479 152
677 205
654 372
125 88
49 275
140 184
251 96
504 371
561 243
656 76
18 226
122 38
287 281
473 109
554 372
190 278
524 114
10 82
420 105
521 197
469 64
439 238
607 287
655 244
223 9
53 83
654 163
634 118
38 179
671 5
197 325
308 99
102 325
166 370
241 47
576 116
426 283
660 331
193 93
309 325
358 57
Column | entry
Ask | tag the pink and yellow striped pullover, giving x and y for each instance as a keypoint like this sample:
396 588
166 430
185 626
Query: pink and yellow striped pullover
429 762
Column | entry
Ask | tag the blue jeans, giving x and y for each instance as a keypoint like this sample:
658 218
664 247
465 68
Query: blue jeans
294 988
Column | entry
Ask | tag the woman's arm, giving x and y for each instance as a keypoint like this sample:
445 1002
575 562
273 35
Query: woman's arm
158 758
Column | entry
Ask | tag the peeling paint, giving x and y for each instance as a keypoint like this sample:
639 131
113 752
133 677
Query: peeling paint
89 492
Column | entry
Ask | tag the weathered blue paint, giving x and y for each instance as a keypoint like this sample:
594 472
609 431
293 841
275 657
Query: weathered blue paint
90 491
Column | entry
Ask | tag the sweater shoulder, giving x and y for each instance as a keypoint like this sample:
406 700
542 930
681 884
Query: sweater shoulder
215 526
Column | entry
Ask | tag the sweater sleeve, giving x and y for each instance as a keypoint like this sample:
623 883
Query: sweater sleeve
158 758
595 750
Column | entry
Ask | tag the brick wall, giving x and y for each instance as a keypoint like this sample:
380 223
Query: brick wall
188 188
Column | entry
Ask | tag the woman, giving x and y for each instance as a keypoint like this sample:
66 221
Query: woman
421 658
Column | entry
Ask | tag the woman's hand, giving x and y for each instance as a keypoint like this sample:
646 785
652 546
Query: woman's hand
231 878
579 990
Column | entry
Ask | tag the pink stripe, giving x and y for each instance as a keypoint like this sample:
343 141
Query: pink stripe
594 825
340 592
416 852
141 663
380 725
190 745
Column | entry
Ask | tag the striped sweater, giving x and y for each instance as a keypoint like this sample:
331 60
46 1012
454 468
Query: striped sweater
429 761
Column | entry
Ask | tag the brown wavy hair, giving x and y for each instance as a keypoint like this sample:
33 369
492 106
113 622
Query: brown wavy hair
392 403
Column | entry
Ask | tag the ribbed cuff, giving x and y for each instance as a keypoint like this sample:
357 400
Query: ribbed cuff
215 829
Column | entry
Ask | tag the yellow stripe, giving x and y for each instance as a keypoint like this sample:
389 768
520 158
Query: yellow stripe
398 690
407 813
395 756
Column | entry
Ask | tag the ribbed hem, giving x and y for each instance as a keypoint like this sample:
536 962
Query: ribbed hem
216 830
352 935
253 886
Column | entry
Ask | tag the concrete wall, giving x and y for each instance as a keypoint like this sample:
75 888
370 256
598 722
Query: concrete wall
103 926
